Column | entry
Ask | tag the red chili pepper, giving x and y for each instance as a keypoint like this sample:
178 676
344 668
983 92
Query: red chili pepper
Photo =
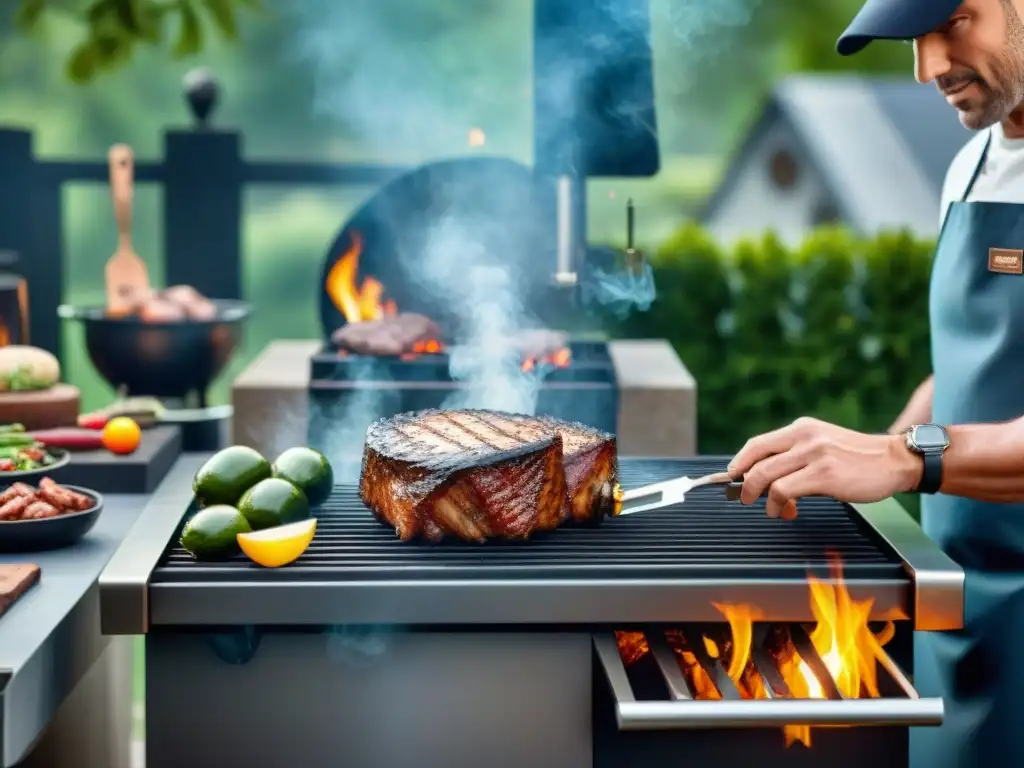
6 465
93 420
99 420
71 438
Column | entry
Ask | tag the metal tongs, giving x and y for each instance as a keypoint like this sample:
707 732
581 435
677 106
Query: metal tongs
664 494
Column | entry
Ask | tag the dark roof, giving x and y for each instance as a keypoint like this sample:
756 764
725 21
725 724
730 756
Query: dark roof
882 145
929 126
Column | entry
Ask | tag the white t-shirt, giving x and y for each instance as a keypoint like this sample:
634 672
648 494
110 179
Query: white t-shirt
1001 180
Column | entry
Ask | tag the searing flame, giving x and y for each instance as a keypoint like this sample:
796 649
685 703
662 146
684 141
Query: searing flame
841 637
5 335
428 347
845 644
357 303
366 302
560 359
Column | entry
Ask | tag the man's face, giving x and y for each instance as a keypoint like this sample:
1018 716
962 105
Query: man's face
976 60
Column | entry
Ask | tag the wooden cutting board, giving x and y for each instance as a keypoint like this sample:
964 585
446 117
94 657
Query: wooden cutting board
15 581
54 407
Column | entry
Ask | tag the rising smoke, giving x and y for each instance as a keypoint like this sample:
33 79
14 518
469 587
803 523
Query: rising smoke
384 70
393 75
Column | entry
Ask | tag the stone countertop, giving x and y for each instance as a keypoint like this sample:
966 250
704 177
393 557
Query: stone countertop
50 638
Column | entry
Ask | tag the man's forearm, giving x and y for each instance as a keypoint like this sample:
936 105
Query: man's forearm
985 462
918 410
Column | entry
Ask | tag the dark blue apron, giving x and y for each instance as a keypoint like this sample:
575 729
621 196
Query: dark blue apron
977 328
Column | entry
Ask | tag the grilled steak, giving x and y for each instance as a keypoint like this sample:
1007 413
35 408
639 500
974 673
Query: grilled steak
390 336
591 466
478 475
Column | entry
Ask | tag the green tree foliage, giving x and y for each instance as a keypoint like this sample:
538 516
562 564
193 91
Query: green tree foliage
112 29
836 328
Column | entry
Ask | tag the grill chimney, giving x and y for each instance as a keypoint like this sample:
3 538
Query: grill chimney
565 254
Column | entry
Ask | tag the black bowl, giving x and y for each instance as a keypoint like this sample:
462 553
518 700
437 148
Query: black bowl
61 456
169 360
51 532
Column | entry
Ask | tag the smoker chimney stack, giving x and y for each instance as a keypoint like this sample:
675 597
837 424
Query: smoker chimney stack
635 261
567 245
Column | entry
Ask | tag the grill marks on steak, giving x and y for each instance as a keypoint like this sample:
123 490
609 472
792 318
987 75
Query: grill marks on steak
477 474
470 474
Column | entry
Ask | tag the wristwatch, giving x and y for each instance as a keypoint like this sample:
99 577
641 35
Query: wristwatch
929 441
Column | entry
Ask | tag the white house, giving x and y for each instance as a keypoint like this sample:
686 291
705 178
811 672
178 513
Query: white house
870 153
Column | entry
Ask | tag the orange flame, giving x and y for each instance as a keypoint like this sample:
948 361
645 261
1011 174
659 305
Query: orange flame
560 359
841 637
357 303
5 334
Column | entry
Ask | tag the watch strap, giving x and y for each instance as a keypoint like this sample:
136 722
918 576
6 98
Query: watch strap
931 478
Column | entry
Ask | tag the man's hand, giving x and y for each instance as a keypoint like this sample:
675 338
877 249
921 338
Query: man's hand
814 458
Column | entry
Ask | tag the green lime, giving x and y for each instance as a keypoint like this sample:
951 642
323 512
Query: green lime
307 470
273 502
211 533
228 474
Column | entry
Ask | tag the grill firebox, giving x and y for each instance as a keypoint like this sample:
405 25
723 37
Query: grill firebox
448 655
438 242
361 388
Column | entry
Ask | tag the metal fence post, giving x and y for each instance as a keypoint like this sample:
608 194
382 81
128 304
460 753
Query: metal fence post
30 225
203 200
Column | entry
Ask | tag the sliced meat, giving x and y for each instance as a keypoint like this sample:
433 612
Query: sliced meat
23 489
38 510
158 310
478 475
15 508
10 493
63 498
591 467
57 496
390 336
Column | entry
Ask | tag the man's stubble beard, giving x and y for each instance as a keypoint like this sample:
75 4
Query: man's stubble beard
1004 91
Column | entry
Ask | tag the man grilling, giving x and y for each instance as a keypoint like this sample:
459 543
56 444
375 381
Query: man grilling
974 53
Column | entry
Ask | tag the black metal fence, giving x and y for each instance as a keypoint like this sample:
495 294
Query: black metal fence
203 173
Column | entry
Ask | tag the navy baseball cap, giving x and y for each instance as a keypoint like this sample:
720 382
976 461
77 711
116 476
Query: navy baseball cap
893 20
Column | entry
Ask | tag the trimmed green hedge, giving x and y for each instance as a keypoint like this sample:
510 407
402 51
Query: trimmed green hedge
836 329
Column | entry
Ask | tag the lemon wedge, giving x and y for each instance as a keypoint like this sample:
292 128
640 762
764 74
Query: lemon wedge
274 547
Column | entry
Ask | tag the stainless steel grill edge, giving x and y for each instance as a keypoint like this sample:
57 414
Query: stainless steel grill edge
548 686
659 567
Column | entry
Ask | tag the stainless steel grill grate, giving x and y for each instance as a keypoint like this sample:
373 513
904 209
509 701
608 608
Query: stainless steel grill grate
708 537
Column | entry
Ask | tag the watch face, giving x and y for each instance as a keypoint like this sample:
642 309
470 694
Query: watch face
927 436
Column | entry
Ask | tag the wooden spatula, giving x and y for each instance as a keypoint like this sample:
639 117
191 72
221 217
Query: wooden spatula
126 275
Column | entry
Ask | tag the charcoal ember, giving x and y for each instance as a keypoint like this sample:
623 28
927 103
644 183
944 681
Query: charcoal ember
386 337
539 342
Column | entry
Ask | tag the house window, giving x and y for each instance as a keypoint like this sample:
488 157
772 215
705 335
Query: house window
783 169
825 212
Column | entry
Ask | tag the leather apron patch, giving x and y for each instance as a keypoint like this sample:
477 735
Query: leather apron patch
1006 261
